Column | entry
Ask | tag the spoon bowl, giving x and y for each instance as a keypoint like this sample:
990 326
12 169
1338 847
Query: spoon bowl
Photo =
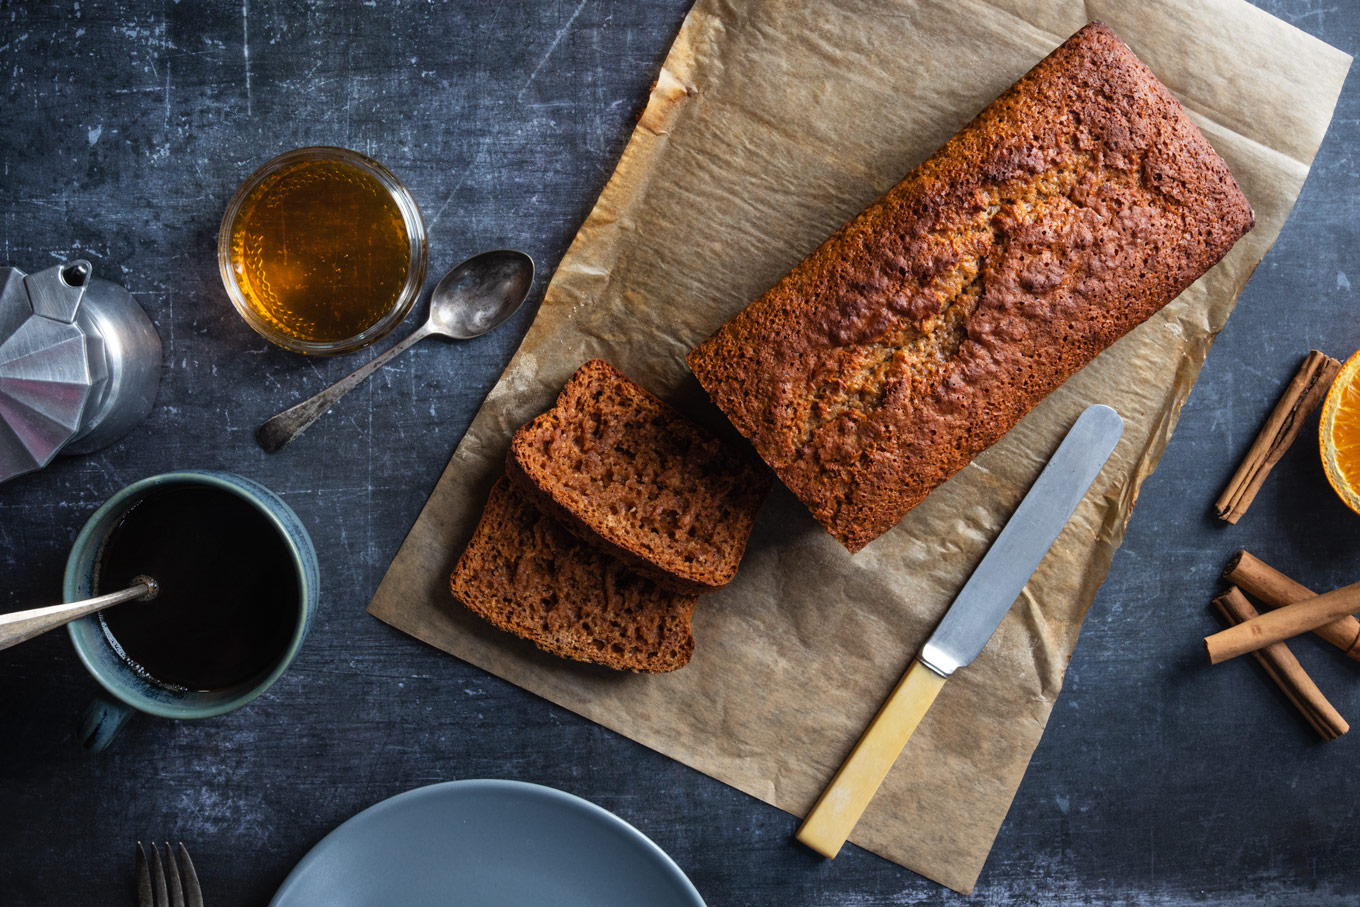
480 294
476 296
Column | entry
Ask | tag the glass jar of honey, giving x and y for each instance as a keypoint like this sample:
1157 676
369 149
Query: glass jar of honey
322 251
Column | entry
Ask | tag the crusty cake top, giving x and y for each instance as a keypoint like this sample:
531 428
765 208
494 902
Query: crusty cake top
1072 208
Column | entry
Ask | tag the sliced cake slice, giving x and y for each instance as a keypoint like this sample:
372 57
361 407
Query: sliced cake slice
626 471
526 574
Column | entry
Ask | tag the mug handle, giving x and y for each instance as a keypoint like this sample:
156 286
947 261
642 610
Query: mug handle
102 720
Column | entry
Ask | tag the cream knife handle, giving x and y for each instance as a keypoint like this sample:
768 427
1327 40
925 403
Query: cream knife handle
837 810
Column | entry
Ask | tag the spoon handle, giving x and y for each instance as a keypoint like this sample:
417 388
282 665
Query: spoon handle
279 431
19 626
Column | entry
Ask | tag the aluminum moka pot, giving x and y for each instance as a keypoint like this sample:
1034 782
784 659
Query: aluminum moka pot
79 365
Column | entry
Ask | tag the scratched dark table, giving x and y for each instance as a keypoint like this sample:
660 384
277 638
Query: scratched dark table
124 129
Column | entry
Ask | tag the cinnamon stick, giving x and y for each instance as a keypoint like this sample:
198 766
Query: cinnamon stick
1300 398
1281 624
1275 590
1283 668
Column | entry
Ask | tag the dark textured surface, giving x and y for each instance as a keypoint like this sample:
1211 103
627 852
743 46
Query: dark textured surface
124 128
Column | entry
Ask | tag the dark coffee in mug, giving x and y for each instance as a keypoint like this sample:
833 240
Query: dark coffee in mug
228 601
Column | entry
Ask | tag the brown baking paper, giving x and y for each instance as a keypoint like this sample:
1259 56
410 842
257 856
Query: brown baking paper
771 123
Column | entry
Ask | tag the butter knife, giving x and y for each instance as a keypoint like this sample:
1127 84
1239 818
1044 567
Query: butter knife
967 625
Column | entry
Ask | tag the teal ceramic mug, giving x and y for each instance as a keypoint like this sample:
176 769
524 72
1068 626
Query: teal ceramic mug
128 691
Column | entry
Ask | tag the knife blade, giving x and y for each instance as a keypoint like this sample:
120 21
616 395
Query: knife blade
968 624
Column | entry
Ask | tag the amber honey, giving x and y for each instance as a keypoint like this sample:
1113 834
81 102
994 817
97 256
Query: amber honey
320 251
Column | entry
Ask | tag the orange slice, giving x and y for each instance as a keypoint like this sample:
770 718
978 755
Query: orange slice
1339 433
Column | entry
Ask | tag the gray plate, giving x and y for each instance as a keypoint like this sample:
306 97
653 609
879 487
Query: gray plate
488 843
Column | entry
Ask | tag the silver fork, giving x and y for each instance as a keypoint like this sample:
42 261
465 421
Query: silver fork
153 889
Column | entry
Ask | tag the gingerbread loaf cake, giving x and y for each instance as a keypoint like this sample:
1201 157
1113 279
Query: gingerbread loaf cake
525 573
1069 211
627 472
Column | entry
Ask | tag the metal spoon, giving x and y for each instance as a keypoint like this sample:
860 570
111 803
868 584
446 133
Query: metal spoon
19 626
478 295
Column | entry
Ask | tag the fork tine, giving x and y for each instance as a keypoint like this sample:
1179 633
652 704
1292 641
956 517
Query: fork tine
193 895
143 879
172 871
159 896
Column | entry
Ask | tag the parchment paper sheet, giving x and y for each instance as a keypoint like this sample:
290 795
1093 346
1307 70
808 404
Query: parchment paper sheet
771 123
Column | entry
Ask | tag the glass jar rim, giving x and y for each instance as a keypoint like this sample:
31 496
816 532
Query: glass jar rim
411 218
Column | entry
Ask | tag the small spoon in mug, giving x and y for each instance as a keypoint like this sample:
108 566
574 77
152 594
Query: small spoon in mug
478 295
21 626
